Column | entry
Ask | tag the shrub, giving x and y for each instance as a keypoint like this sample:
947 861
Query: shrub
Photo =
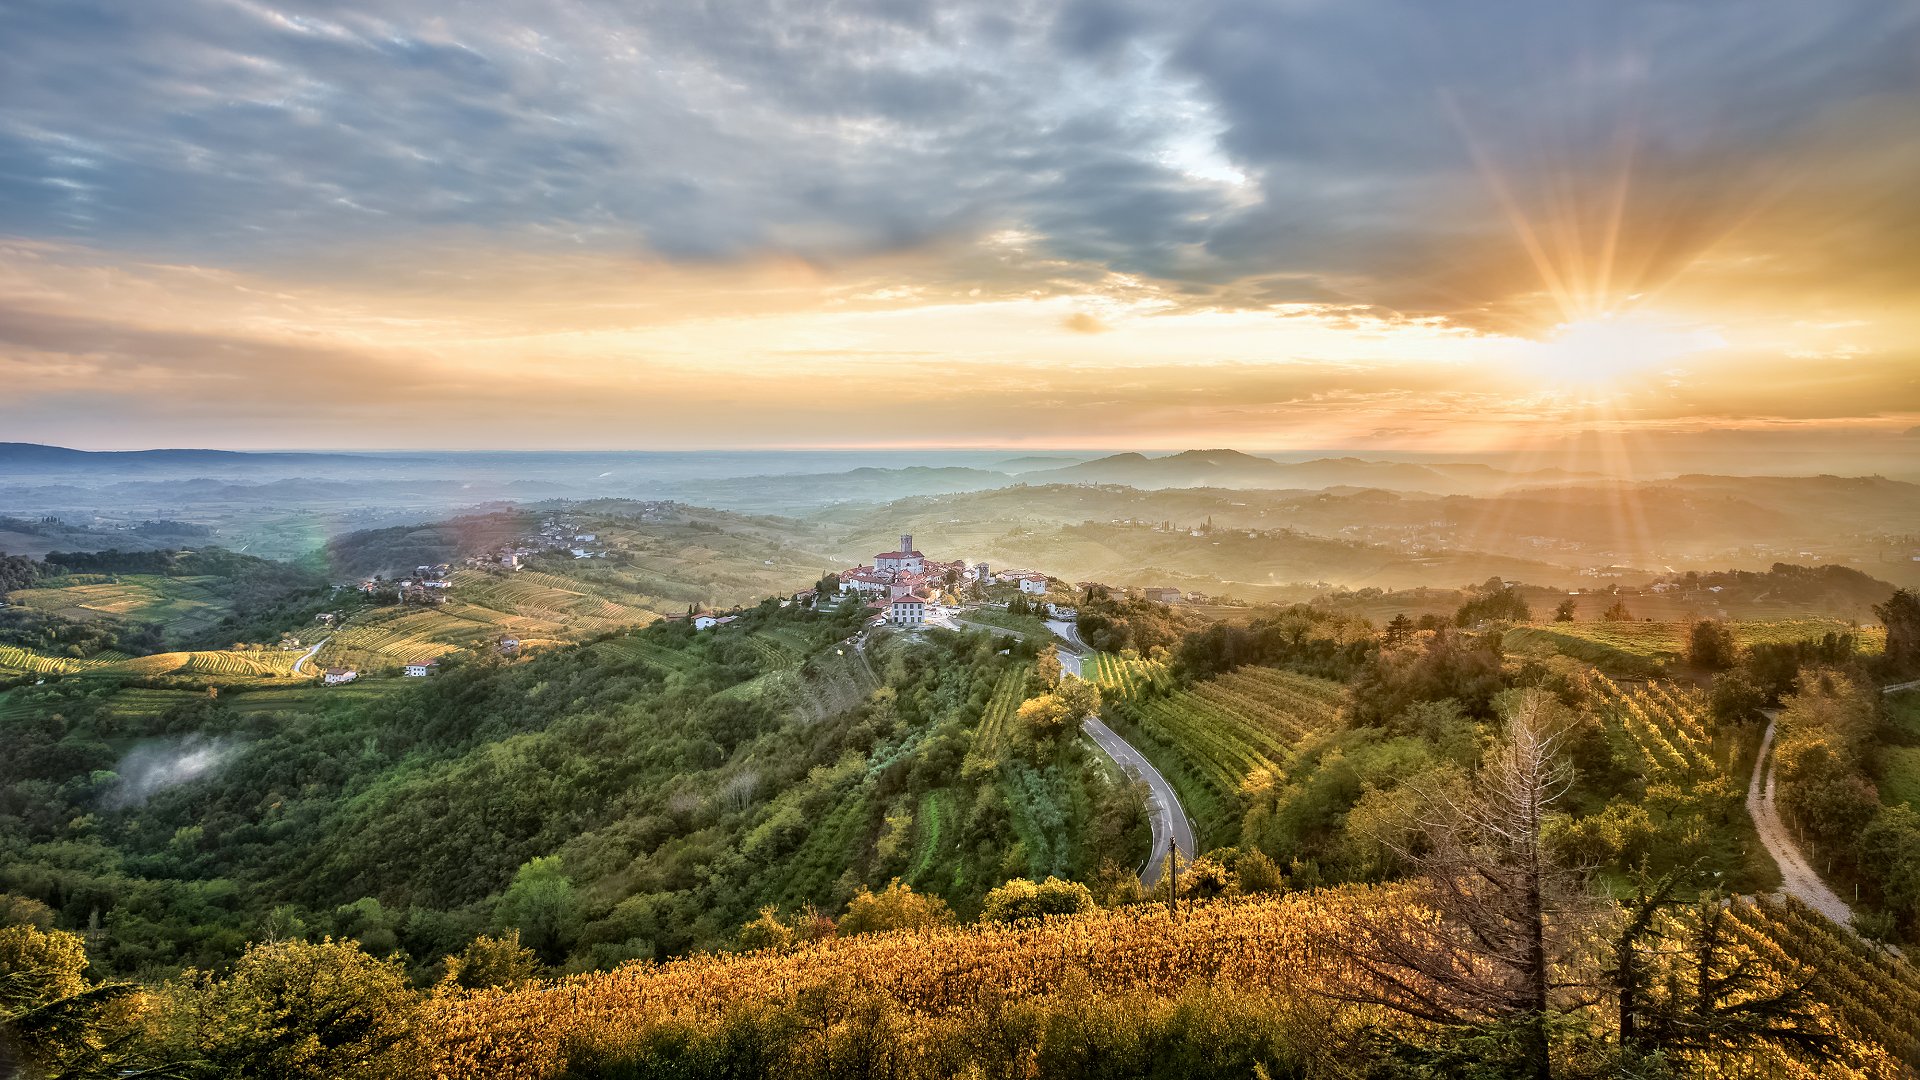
897 907
1022 899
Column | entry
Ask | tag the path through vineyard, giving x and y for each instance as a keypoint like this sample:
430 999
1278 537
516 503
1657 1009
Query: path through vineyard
1163 806
1797 878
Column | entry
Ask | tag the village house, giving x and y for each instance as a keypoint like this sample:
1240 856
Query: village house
420 669
338 676
1034 585
1163 595
509 646
908 610
864 580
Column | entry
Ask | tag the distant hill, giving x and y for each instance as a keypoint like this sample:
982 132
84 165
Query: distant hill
1035 462
1234 469
40 456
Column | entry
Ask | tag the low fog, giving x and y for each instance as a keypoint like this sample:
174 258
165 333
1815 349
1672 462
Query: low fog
152 767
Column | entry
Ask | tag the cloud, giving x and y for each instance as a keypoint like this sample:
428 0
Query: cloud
340 192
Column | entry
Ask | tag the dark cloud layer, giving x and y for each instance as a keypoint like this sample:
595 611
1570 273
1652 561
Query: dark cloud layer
1499 164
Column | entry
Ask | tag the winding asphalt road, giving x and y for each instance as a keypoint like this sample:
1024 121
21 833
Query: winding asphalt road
1163 806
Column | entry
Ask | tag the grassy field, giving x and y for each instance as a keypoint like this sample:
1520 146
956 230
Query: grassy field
184 605
1641 649
1900 775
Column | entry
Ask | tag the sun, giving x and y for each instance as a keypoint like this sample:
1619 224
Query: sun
1609 348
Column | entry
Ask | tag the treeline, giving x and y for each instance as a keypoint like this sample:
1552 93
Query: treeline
55 635
1115 624
1825 756
1303 638
1789 582
19 572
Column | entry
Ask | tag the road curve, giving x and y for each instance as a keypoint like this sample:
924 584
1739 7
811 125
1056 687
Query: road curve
308 655
1163 805
1797 878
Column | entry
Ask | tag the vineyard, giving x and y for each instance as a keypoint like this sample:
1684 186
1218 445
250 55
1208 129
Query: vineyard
1125 679
1662 725
220 665
1268 949
1877 996
996 725
1208 740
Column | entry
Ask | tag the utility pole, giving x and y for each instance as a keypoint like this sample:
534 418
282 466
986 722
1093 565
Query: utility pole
1173 870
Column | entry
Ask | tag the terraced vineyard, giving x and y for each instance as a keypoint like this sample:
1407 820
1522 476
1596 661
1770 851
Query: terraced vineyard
996 723
1124 678
17 661
215 666
1208 740
1663 725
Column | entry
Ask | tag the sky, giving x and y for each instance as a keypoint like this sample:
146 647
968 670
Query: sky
1269 224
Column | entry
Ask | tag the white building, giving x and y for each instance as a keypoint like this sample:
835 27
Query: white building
706 620
908 610
1034 584
420 669
338 676
864 582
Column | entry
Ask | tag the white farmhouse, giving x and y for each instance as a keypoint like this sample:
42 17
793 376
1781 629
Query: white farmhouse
339 676
420 669
908 610
1034 584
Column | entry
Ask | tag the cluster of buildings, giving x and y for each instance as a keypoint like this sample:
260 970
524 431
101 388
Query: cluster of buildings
904 584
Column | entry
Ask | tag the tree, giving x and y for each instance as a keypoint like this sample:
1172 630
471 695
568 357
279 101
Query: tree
1022 899
1901 616
492 961
1722 999
1054 717
542 904
53 1022
1617 612
1710 645
1507 912
897 907
295 1010
1399 631
1736 698
1564 611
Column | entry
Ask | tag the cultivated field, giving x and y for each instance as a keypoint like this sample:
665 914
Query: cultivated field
1209 739
184 605
927 981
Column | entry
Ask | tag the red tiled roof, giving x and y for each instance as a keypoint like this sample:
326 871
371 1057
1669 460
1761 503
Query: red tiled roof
899 555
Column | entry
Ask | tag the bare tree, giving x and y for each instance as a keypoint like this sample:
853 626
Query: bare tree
1490 938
